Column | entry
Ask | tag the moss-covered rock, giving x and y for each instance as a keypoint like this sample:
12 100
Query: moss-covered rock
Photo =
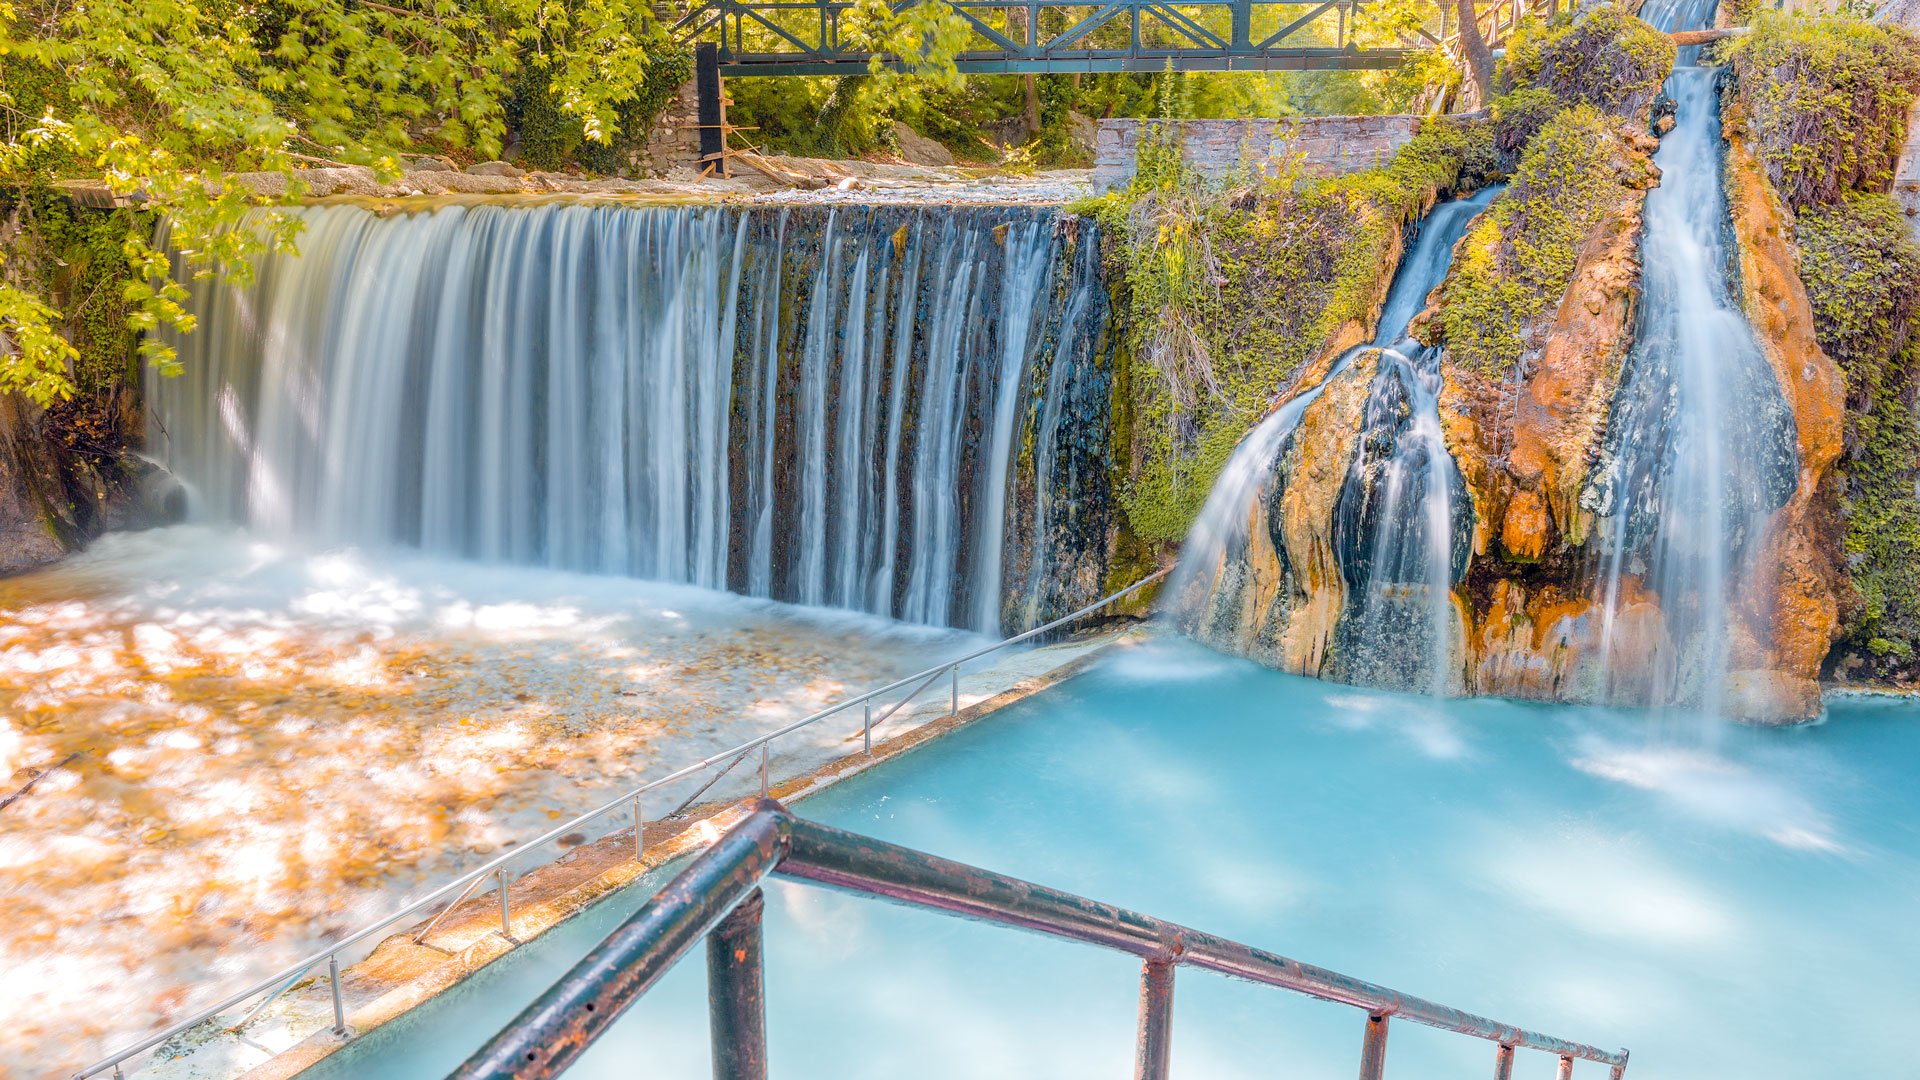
1826 99
1862 274
1232 290
1604 57
1516 262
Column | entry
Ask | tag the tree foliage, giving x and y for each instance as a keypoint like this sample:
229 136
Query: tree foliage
166 100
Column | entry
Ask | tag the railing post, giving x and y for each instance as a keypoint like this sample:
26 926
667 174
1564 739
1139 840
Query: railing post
763 770
639 832
866 728
506 910
736 993
1373 1050
1153 1052
1566 1069
1619 1070
955 710
1503 1063
339 1009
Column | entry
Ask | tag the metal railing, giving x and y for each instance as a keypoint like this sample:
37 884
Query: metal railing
631 801
718 896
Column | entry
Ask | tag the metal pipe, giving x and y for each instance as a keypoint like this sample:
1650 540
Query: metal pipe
955 711
639 832
506 912
736 993
1619 1067
1503 1063
339 1008
558 1027
763 770
1153 1050
464 893
866 727
843 860
269 999
1373 1049
1566 1069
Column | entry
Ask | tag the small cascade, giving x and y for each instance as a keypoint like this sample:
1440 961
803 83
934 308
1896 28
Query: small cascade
1396 524
852 406
1701 447
1402 535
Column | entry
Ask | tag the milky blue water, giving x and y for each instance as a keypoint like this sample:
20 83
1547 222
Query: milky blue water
1753 912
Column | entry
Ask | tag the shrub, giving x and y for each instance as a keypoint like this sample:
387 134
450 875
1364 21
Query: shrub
1606 58
1231 288
1826 99
1517 259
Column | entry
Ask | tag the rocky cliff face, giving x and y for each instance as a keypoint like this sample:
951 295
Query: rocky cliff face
1526 417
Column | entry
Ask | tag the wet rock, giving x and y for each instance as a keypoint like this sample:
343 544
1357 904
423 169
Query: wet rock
1788 608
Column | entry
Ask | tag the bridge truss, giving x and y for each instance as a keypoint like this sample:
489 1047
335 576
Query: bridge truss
806 37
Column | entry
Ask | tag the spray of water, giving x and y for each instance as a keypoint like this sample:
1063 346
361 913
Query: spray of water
819 405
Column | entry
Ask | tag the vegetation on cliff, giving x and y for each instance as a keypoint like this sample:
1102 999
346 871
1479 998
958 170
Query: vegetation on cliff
1606 58
1862 272
1231 288
1824 103
1826 100
1517 260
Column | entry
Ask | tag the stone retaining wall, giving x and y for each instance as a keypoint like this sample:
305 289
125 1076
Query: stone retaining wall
1326 144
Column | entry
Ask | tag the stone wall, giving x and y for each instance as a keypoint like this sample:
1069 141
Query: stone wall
673 147
1326 144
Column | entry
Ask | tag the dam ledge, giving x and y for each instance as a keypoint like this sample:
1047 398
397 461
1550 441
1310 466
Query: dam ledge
393 974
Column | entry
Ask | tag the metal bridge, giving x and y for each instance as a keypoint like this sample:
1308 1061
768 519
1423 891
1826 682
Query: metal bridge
807 37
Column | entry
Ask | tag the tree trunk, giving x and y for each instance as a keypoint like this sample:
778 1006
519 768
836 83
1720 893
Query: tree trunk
1479 57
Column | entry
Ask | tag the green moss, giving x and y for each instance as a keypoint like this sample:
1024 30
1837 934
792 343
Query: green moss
1229 289
1518 258
1826 99
1606 58
1862 273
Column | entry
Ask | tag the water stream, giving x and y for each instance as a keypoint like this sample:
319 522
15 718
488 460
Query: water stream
1701 447
824 405
1396 518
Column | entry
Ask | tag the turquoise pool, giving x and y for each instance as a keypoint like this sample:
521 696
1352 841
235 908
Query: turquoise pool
1747 910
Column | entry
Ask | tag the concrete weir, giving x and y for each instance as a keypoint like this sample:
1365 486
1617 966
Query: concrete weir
398 975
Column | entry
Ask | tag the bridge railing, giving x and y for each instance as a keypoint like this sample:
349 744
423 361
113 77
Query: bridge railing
876 706
718 897
812 37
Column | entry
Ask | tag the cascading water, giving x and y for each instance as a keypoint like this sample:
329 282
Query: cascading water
822 405
1402 515
1399 534
1701 447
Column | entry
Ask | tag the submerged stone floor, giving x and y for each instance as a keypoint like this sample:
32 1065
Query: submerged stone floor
252 750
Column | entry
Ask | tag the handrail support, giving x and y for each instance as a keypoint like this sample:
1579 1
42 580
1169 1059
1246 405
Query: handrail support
1153 1054
736 993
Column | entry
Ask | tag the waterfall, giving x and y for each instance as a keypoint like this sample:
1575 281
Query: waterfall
826 405
1701 447
1409 534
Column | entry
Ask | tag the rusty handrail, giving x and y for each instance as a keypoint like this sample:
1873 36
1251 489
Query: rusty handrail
463 886
718 895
